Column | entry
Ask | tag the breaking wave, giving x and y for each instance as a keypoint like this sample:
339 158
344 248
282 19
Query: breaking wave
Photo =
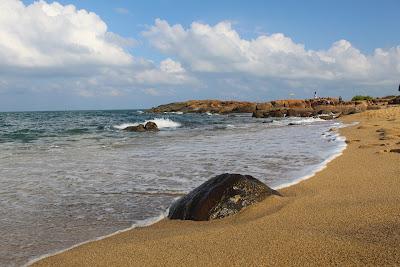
161 123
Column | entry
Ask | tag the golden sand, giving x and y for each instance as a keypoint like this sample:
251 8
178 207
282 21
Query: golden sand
347 214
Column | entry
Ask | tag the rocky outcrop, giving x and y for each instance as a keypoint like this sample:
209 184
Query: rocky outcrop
280 108
203 106
149 127
324 107
221 196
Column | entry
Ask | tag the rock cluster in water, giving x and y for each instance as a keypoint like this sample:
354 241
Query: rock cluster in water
148 127
221 196
327 108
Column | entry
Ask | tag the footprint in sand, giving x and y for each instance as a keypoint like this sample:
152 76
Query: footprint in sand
382 151
372 145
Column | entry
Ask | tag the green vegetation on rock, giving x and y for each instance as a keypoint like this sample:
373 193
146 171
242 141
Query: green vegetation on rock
361 97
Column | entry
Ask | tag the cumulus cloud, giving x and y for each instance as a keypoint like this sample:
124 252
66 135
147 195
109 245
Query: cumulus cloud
51 35
220 49
49 45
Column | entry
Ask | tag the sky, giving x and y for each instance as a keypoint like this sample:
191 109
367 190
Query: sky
98 54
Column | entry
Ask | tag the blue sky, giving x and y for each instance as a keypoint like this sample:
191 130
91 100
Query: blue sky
317 23
252 50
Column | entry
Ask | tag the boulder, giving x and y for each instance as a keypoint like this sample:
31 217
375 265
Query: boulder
258 114
395 101
300 112
137 128
264 106
221 196
327 117
276 113
151 126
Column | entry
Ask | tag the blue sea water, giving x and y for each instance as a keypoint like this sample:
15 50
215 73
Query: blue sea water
71 176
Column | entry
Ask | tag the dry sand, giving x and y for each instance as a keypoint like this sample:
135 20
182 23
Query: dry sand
347 214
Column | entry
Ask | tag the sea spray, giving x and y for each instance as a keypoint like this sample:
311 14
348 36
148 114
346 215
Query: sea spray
162 123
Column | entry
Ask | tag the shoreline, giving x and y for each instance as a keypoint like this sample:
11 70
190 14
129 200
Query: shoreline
289 190
153 220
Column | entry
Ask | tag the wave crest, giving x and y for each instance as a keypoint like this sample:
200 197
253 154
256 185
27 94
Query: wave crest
161 123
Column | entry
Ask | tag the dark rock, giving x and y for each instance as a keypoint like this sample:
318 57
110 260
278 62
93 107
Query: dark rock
221 196
151 126
258 114
327 117
276 113
138 128
395 101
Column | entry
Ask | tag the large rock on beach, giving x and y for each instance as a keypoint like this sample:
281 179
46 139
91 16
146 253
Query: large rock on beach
221 196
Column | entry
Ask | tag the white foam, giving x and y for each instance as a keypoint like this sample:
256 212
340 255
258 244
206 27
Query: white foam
321 166
165 123
161 123
296 121
141 223
174 112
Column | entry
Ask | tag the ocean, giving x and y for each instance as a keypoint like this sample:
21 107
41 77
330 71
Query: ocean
71 176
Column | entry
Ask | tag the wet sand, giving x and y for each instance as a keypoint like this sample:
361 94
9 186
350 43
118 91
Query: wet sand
347 214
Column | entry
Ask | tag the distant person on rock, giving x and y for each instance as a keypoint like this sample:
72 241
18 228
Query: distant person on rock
315 95
340 99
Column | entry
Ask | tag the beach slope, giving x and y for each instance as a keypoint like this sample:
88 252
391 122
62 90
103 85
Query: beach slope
347 214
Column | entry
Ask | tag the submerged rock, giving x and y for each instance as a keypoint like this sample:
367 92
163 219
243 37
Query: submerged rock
137 128
221 196
149 127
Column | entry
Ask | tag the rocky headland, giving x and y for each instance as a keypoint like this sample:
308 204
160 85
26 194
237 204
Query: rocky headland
325 107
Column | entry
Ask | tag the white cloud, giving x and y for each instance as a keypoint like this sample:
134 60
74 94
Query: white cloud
52 35
170 66
220 49
152 92
44 44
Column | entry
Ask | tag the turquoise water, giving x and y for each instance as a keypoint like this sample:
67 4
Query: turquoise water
68 177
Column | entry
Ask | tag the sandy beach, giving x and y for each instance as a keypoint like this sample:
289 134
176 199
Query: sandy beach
347 214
